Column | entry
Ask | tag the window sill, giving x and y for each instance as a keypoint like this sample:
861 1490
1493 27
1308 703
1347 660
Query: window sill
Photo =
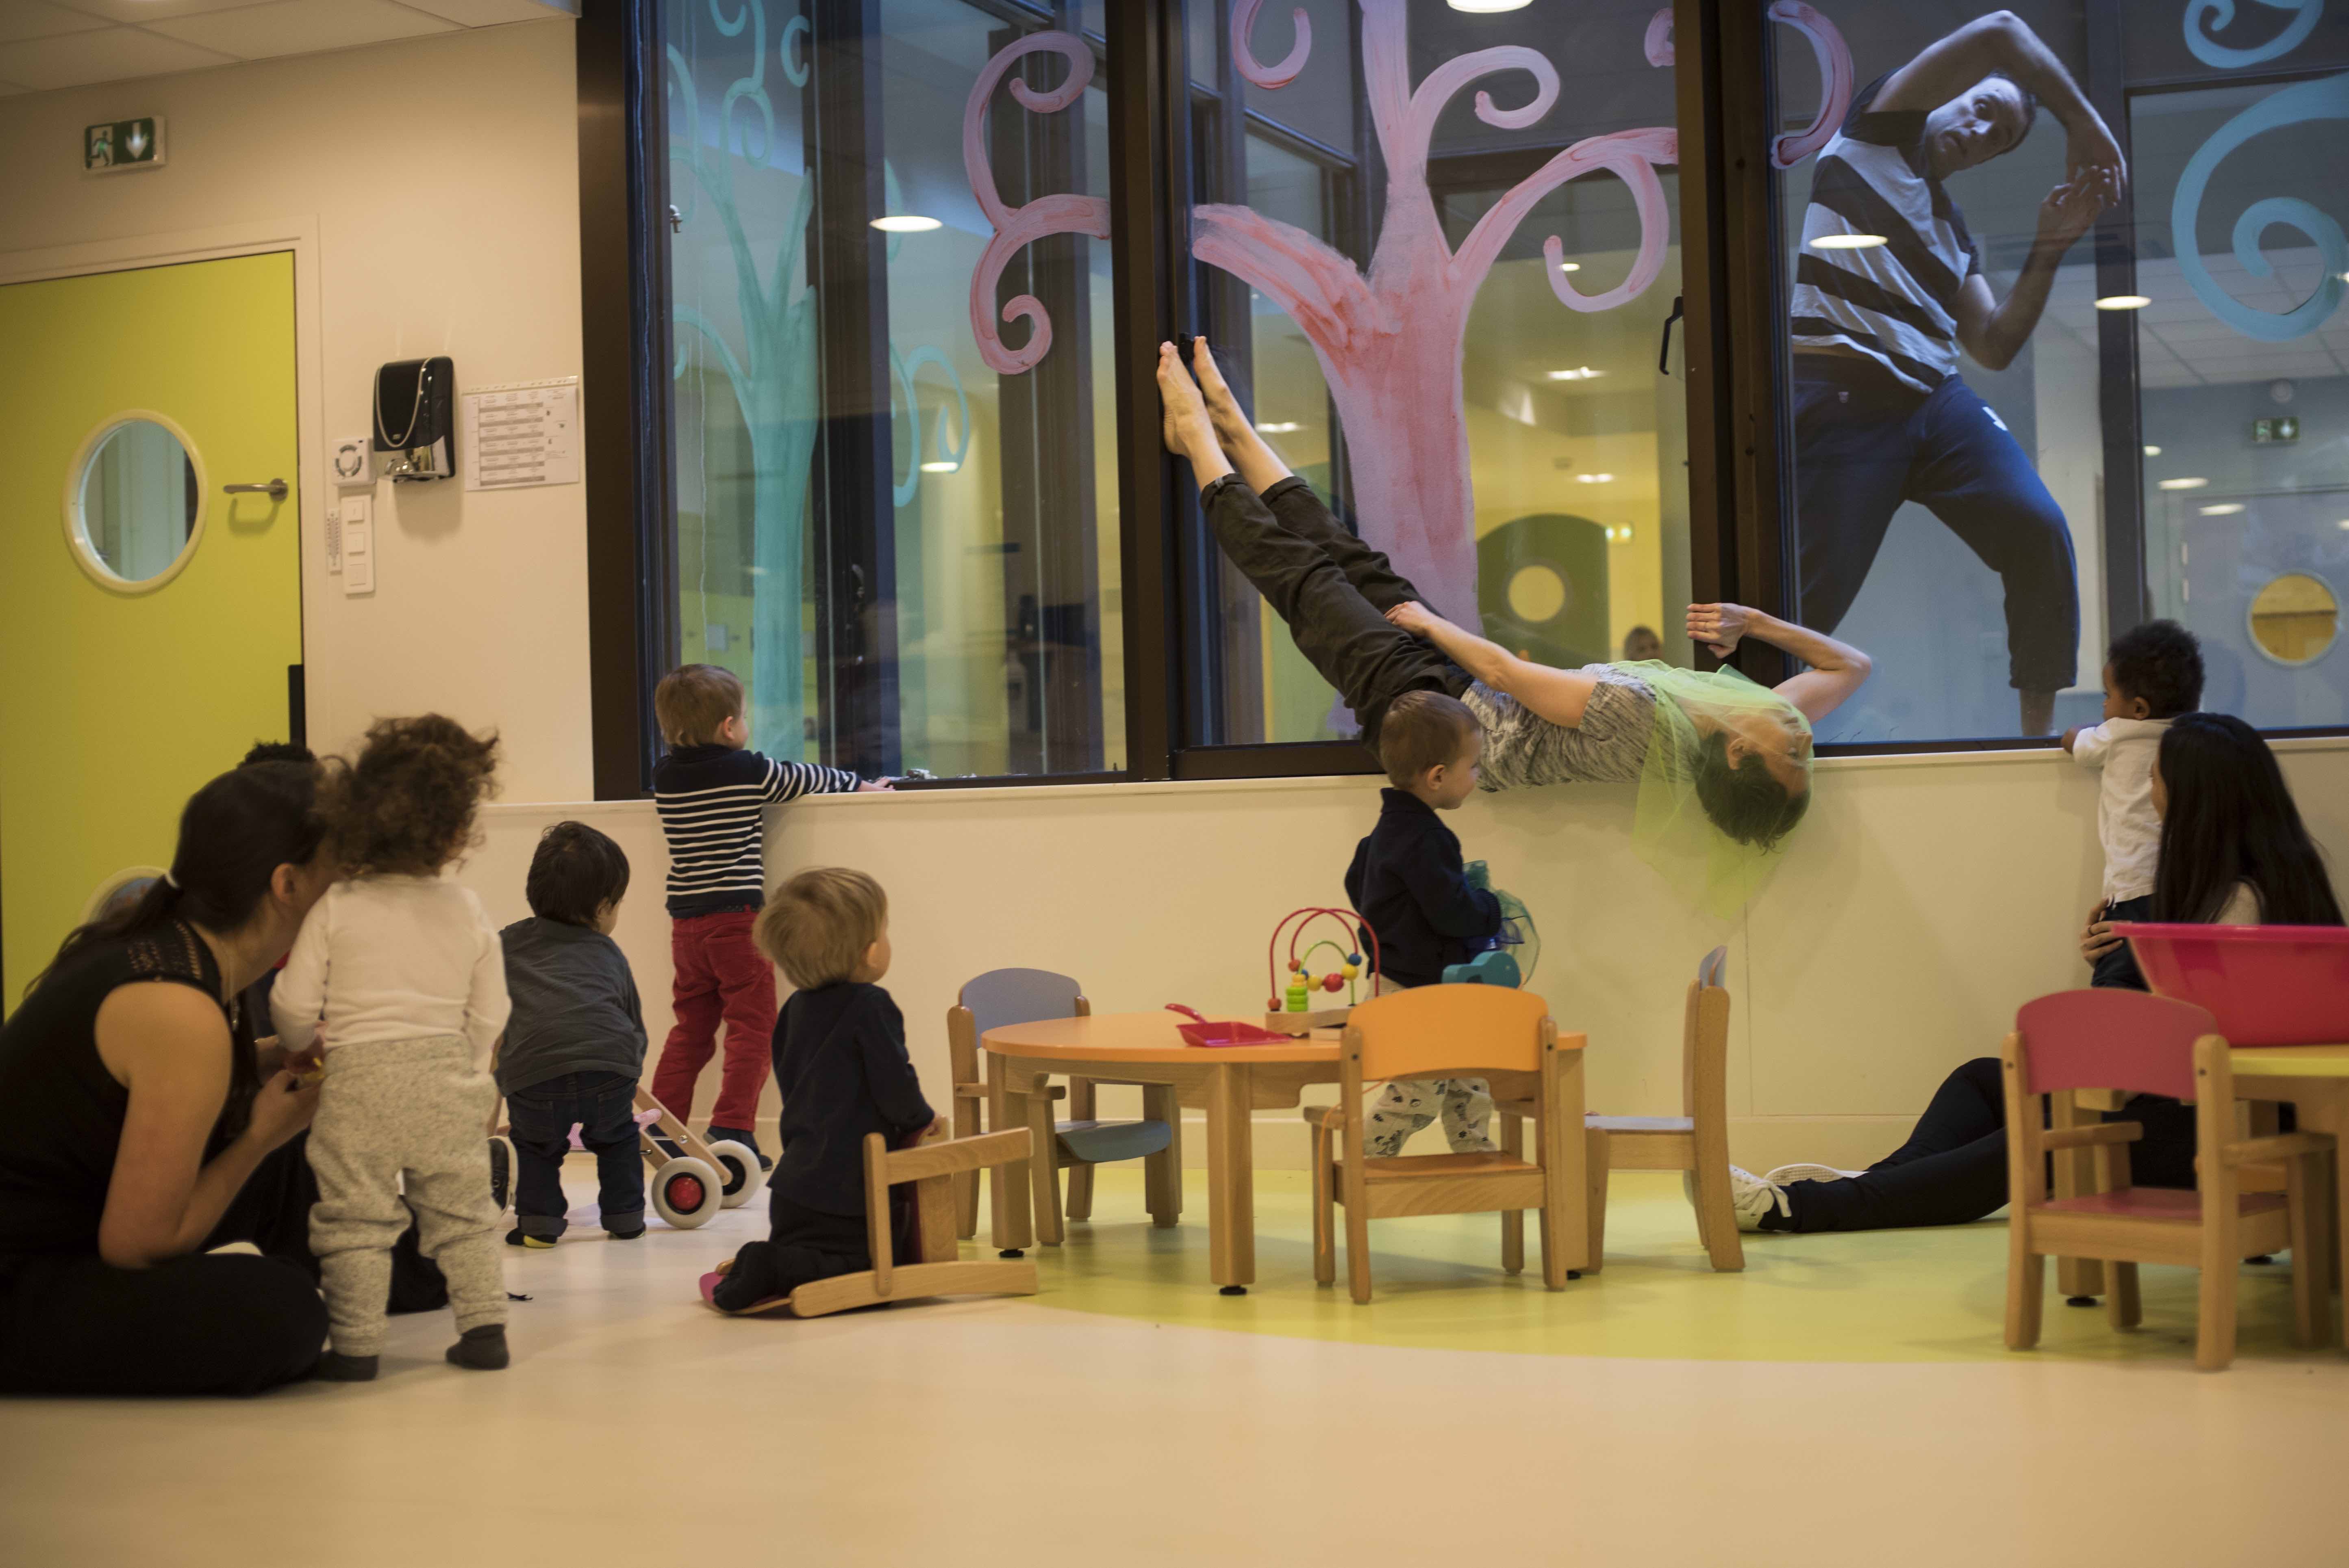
2018 757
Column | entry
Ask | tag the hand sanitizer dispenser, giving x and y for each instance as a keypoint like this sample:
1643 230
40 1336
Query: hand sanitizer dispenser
416 418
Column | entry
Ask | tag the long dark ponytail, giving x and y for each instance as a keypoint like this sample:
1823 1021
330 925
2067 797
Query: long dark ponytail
234 833
2232 820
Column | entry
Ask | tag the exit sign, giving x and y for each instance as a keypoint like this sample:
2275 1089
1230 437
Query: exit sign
2276 431
122 144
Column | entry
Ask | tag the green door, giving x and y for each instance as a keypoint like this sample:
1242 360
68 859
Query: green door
147 618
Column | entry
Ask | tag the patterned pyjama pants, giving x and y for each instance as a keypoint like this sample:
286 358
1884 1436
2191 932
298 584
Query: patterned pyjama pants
417 1110
1406 1105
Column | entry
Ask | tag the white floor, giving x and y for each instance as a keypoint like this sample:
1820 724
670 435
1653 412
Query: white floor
637 1427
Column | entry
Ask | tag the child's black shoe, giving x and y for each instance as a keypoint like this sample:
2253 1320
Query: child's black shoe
737 1135
484 1349
518 1237
334 1366
635 1235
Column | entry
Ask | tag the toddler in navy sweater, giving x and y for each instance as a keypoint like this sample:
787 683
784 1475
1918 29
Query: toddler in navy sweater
1408 881
841 1062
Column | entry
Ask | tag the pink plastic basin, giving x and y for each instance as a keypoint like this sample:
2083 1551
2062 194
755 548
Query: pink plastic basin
2266 985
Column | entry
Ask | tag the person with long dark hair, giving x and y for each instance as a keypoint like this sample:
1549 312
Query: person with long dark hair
2234 851
144 1128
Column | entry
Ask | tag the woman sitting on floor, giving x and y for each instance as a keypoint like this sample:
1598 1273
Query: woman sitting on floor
2233 852
143 1127
1723 765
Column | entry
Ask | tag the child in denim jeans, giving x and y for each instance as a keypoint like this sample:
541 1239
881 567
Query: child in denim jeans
575 1046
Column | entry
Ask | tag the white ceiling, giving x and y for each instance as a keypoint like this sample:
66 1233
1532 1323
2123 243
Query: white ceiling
2180 343
47 43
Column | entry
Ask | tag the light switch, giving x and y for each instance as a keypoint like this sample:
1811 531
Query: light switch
358 544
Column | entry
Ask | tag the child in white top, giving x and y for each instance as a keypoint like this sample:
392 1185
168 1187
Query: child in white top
2152 675
408 976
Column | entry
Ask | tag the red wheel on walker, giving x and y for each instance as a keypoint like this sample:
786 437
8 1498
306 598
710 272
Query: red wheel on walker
686 1193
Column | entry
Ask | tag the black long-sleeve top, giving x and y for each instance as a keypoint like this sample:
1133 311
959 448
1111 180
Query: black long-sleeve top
841 1063
1408 881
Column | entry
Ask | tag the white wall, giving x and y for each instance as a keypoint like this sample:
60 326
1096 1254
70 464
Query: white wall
1922 901
442 175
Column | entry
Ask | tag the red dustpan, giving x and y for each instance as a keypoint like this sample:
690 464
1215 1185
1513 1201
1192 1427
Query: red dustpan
1213 1032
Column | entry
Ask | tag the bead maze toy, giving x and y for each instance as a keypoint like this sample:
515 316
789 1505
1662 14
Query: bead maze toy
1288 1009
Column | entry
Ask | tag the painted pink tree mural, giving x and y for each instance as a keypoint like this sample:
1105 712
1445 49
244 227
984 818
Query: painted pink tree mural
1389 340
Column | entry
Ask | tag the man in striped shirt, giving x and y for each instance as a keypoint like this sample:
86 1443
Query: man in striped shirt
1888 288
712 795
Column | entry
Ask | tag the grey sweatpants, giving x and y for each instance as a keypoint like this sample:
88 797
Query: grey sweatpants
413 1108
1406 1105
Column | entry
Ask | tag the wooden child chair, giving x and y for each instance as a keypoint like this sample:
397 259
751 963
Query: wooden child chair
1004 996
1696 1141
1506 1037
926 1261
2150 1045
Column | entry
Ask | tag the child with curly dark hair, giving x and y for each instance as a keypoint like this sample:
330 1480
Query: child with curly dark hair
397 986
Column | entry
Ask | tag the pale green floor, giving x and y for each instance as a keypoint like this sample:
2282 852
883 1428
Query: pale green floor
1883 1295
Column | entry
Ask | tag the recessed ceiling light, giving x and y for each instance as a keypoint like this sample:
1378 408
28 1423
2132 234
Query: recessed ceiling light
1580 372
1847 241
1279 427
906 223
2224 508
2152 451
2124 301
1487 5
940 467
2345 525
1577 266
1592 479
2183 484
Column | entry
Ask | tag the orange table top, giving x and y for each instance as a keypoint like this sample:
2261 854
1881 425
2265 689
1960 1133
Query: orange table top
1143 1037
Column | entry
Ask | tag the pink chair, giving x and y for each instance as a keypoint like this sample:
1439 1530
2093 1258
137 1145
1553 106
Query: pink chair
2142 1044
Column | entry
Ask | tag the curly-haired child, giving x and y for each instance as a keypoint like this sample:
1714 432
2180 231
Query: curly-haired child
407 974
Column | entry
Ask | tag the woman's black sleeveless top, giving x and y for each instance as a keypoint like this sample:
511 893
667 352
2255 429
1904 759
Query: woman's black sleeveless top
60 1110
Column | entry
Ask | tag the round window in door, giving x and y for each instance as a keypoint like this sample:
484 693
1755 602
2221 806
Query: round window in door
135 502
2294 618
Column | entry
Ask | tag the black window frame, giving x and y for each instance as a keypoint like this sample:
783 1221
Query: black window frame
1740 474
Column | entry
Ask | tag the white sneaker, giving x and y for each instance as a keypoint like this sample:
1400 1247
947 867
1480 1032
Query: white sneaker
1755 1198
1801 1171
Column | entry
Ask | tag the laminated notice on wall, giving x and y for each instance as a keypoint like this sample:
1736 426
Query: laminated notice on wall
526 433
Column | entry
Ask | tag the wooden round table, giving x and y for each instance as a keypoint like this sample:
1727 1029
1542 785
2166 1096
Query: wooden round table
2315 1080
1229 1083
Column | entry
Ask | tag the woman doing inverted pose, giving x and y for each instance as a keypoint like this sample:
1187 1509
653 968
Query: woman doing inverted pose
1724 764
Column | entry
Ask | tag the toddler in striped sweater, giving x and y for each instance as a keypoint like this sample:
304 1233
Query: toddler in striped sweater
712 793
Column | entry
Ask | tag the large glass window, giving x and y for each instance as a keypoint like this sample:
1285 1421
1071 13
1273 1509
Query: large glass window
1446 315
2243 366
2023 413
2050 324
896 507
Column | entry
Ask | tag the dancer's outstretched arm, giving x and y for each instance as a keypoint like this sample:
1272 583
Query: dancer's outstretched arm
1837 669
1556 695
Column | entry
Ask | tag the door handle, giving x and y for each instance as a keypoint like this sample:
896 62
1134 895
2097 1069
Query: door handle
274 489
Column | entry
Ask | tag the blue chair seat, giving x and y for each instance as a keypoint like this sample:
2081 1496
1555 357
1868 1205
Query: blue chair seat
1101 1142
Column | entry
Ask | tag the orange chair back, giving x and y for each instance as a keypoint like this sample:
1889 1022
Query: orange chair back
1443 1031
